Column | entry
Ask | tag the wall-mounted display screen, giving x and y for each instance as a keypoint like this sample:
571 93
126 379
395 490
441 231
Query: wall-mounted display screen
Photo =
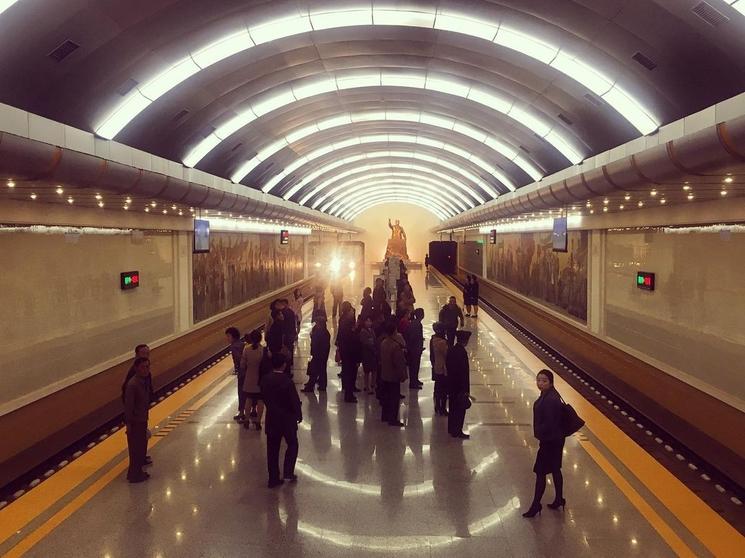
493 236
645 280
201 236
129 280
559 236
284 236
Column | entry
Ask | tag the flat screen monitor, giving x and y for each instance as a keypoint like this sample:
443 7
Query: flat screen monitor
559 236
201 236
284 236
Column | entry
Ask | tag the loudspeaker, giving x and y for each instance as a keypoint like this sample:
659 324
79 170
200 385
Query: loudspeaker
443 254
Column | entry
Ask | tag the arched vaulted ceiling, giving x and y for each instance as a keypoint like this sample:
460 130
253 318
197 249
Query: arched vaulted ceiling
449 103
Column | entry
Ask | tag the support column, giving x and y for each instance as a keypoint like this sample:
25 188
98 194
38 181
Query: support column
182 271
596 282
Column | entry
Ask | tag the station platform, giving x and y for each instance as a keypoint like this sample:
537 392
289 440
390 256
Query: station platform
364 488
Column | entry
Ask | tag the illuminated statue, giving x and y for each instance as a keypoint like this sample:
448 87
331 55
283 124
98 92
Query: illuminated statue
397 242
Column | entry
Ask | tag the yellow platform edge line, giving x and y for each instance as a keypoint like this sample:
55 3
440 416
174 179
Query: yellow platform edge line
84 497
653 518
718 536
31 505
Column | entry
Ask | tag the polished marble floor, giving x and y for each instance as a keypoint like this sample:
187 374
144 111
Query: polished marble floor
365 489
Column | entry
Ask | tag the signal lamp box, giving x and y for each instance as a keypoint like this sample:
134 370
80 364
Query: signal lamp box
129 280
645 280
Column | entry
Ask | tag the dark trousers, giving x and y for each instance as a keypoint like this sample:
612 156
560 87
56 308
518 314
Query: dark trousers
291 355
450 335
457 415
317 374
273 442
441 392
241 395
415 362
348 377
390 401
137 446
335 308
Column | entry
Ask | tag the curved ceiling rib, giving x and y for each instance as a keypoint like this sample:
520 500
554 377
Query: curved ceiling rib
397 197
500 146
363 195
367 179
344 187
373 139
395 154
443 19
410 168
424 193
440 82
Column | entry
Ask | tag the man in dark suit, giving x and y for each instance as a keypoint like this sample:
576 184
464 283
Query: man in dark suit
283 413
459 384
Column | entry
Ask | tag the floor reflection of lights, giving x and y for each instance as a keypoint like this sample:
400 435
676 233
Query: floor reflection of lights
408 542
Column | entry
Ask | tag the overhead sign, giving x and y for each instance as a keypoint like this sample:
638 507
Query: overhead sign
645 280
493 236
284 236
129 280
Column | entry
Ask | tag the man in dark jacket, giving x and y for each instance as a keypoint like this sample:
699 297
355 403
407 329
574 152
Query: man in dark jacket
392 372
320 346
136 413
449 317
367 306
379 295
290 335
459 384
349 350
275 335
415 348
283 413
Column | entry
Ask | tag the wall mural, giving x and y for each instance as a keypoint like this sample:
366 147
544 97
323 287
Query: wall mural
240 267
526 263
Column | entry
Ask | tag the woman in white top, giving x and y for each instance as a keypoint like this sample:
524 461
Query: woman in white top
253 353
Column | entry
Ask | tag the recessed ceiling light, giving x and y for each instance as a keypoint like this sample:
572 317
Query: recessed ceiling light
605 210
653 193
588 204
728 180
33 196
100 204
620 206
605 201
690 196
153 204
640 204
147 210
128 200
70 200
173 207
59 190
11 184
592 211
663 201
126 207
627 197
180 212
165 212
99 197
723 193
686 187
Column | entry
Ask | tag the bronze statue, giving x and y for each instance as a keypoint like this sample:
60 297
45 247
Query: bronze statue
397 242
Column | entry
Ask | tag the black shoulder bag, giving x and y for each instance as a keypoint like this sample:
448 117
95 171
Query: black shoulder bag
570 421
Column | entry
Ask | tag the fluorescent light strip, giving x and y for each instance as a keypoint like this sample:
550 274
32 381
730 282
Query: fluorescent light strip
396 138
5 4
347 186
498 145
408 167
540 224
738 5
246 225
423 193
468 176
374 187
442 19
400 197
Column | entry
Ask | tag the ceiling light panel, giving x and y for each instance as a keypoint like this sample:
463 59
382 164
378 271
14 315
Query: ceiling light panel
361 196
388 14
5 4
356 214
397 197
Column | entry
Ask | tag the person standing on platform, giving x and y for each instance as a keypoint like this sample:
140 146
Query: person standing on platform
547 412
290 323
467 295
320 347
459 384
337 292
438 352
236 352
415 348
450 315
141 351
426 262
275 335
367 306
136 414
475 296
296 305
283 414
369 356
347 341
253 354
379 295
319 301
392 372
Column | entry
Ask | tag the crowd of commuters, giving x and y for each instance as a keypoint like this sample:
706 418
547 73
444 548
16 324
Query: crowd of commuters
386 344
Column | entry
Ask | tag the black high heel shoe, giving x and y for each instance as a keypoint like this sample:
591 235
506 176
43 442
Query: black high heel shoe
559 503
535 509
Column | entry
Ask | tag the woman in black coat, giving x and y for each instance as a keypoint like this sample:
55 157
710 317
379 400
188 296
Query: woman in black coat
547 411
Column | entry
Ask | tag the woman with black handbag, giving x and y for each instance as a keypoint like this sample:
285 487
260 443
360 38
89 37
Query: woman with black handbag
548 427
